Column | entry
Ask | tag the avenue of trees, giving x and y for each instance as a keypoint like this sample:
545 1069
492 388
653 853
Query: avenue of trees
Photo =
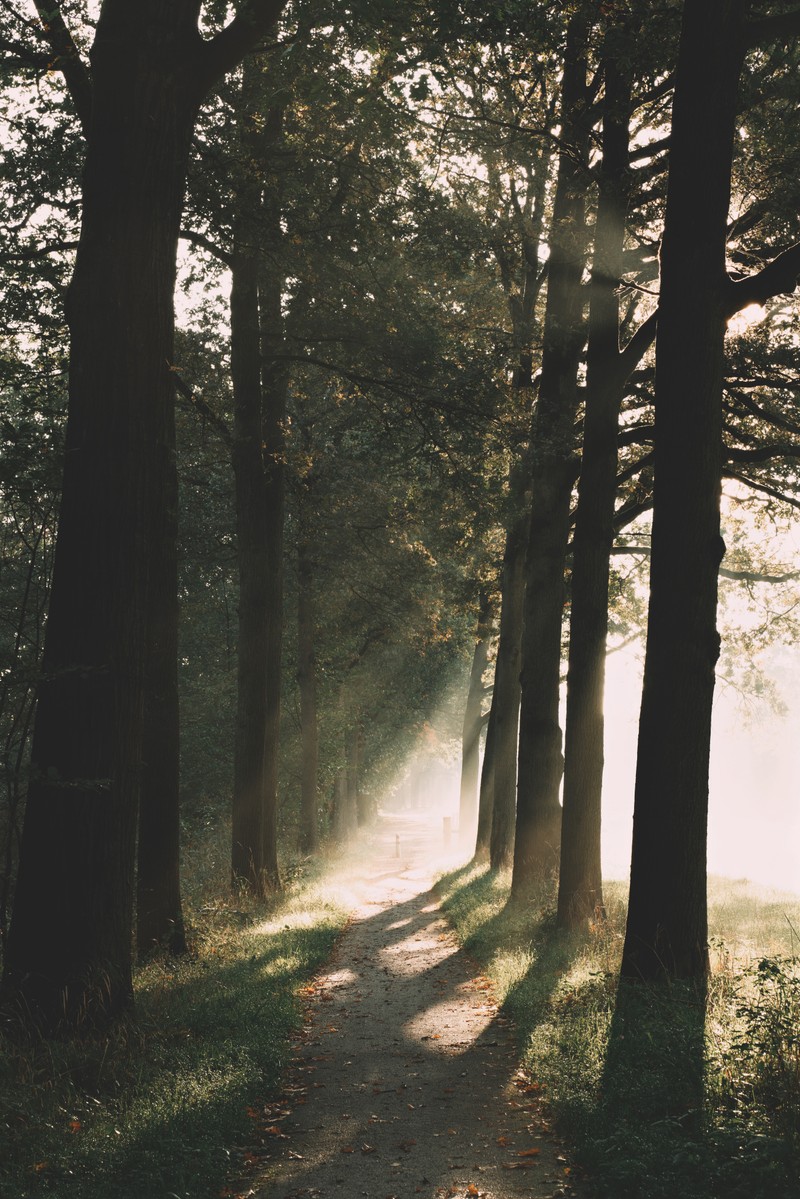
453 292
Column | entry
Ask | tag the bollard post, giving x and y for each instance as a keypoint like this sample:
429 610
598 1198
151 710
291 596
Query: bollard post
397 845
447 823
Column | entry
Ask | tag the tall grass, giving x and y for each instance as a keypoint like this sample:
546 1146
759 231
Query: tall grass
158 1107
660 1098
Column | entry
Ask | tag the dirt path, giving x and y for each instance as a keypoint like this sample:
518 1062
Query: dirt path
405 1082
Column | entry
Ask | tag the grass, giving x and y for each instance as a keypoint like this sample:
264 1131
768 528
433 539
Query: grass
659 1097
159 1107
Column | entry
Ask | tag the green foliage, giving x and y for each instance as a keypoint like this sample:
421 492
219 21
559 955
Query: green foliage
155 1107
660 1098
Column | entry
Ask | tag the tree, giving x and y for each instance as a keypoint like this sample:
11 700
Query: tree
553 472
473 725
666 935
68 958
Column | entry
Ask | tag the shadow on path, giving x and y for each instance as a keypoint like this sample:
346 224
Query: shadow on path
406 1081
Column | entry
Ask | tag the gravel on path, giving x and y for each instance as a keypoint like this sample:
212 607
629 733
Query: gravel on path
405 1081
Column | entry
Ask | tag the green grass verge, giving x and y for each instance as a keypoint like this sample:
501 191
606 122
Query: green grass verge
658 1098
156 1109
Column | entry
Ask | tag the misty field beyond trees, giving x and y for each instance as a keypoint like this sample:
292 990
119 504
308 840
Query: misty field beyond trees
371 373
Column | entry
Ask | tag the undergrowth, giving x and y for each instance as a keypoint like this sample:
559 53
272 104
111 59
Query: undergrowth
158 1107
659 1098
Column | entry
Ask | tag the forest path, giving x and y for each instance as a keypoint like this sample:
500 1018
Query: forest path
405 1081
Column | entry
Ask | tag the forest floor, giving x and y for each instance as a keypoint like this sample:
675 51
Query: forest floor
405 1080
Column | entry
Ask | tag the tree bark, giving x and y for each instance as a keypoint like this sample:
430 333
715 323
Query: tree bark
258 451
580 894
486 791
249 785
68 959
553 472
69 950
159 913
472 726
507 691
666 934
274 387
307 682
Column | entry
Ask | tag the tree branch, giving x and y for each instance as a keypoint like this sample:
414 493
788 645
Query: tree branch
772 492
205 243
773 29
67 59
749 576
763 454
225 51
200 405
779 277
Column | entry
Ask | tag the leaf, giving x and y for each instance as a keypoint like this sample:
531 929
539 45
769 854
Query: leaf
367 1148
347 1149
472 1189
274 1131
74 1126
504 1141
39 1166
529 1153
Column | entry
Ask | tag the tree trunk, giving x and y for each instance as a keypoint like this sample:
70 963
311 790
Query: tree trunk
68 959
247 861
159 915
553 473
472 725
259 413
307 682
486 794
580 894
666 934
507 694
274 385
345 804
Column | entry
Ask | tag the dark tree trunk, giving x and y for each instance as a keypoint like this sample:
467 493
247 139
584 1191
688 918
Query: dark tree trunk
274 384
307 682
345 804
159 914
507 694
472 726
666 935
580 894
486 793
553 473
259 412
247 862
68 958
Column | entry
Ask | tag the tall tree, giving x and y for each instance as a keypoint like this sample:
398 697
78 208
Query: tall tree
580 879
68 957
553 473
666 935
473 725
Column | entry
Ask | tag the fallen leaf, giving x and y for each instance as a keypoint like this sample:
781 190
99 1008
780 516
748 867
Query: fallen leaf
295 1156
74 1126
347 1149
472 1189
406 1145
529 1153
367 1148
39 1166
504 1141
274 1131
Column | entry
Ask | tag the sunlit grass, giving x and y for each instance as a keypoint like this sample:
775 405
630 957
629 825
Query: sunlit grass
158 1107
661 1106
